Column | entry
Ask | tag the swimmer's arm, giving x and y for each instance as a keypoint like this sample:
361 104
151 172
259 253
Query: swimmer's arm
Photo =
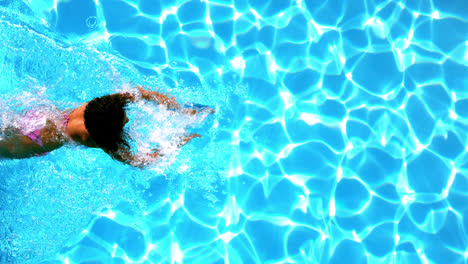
141 160
160 98
135 160
186 139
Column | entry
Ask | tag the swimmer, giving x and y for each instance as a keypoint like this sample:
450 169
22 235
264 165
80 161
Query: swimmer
96 124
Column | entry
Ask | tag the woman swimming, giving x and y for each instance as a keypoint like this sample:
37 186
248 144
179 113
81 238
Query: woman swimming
96 124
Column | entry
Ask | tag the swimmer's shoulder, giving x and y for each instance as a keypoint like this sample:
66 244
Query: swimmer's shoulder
76 128
78 133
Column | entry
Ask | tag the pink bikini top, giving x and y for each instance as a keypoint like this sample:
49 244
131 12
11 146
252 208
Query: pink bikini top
66 118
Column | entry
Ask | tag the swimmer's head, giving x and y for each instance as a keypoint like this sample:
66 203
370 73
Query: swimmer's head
105 119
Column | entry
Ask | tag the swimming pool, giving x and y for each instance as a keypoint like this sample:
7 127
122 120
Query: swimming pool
339 137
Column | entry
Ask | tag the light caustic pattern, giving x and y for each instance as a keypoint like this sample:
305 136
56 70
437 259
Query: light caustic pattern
349 148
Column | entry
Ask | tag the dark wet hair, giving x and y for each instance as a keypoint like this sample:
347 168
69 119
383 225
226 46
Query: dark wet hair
104 120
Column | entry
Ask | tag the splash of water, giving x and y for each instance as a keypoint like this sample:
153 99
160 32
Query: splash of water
47 201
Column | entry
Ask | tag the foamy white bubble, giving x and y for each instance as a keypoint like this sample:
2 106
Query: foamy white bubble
154 127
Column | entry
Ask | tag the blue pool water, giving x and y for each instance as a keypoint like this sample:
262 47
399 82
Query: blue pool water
340 133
